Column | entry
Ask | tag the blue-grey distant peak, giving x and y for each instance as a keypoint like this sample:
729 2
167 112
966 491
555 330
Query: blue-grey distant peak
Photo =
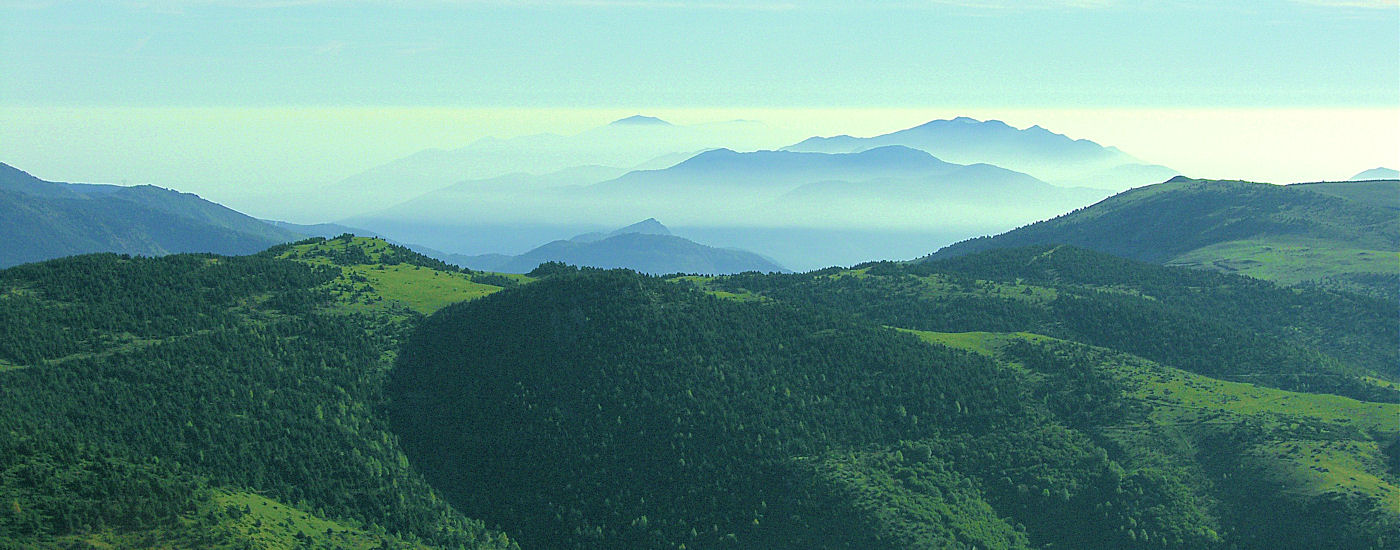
648 226
639 120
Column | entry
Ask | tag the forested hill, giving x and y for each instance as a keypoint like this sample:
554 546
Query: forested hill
1342 235
755 411
40 220
349 393
197 401
1216 324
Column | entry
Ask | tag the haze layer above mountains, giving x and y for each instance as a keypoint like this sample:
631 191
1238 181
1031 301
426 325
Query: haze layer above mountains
823 201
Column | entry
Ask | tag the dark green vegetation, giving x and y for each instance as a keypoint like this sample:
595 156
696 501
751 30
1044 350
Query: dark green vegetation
1215 324
646 413
1341 235
206 401
325 394
40 220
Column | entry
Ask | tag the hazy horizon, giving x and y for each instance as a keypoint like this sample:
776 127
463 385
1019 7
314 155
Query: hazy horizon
225 153
233 99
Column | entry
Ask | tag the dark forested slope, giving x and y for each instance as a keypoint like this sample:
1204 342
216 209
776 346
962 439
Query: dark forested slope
325 394
208 401
1216 324
631 412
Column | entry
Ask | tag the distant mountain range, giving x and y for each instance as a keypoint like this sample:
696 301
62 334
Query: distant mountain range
44 220
636 142
646 246
1340 234
1046 155
1378 173
887 195
822 202
40 220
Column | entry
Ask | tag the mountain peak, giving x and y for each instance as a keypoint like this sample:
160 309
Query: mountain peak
1378 173
639 120
648 226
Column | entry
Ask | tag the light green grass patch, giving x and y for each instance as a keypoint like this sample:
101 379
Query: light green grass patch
236 520
857 273
1174 392
425 290
984 343
376 286
273 525
702 282
1290 261
1323 467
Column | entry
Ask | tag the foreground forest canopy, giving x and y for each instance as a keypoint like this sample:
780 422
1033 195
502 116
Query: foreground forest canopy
200 401
326 394
648 413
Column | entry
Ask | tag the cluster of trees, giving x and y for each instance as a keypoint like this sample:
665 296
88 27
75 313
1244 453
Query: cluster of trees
145 381
646 414
600 409
347 250
1216 324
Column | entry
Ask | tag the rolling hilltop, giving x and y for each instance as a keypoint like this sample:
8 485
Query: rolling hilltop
199 401
1341 235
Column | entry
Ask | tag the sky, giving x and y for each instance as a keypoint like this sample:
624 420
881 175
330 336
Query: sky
234 97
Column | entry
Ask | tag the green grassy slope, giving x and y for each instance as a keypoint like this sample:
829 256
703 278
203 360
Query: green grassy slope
149 400
1301 261
376 276
1338 235
237 520
1378 193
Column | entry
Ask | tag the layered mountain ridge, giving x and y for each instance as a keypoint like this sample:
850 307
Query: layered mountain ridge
41 220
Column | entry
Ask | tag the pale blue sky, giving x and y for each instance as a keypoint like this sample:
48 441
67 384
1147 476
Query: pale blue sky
182 92
756 53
